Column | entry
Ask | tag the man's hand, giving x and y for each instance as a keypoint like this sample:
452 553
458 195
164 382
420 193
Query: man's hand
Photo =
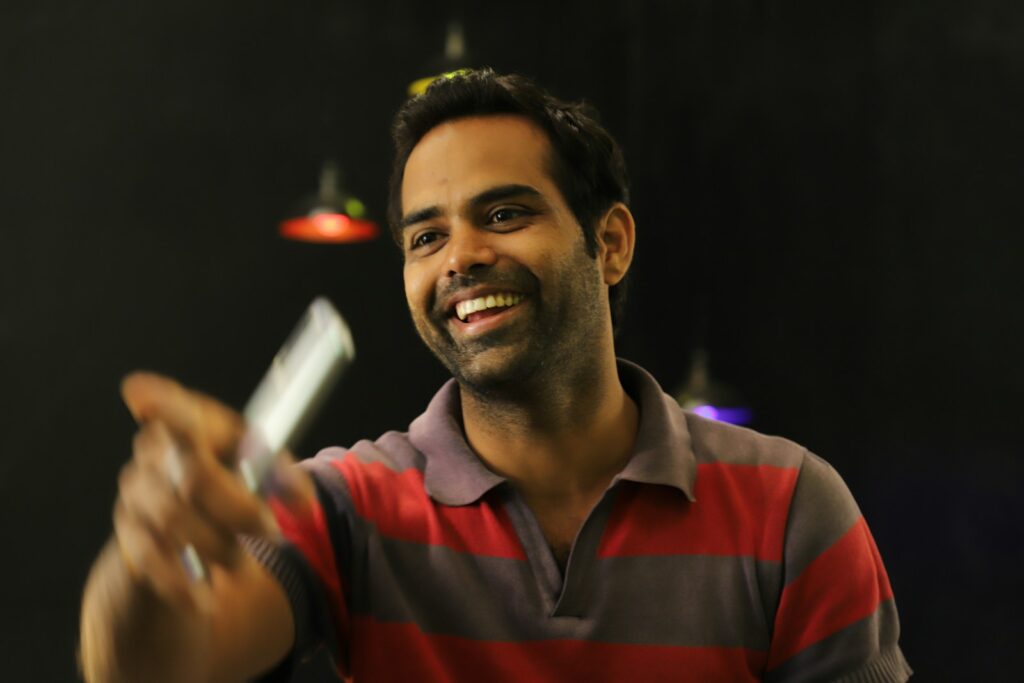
144 617
179 494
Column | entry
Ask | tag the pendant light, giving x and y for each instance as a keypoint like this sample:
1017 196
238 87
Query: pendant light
331 215
710 398
452 63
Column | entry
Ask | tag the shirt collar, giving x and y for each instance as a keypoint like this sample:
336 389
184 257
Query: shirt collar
454 475
662 453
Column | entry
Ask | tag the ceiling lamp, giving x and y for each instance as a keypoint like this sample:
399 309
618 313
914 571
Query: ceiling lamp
708 398
330 216
453 63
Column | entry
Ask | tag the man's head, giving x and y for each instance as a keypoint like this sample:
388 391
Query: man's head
479 208
585 163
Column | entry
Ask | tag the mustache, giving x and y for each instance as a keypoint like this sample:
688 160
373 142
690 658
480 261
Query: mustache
516 280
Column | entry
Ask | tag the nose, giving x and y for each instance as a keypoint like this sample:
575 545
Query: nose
469 248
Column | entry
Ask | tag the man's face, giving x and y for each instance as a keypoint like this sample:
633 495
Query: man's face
485 227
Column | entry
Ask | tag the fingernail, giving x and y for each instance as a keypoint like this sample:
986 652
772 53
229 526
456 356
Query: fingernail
172 464
194 566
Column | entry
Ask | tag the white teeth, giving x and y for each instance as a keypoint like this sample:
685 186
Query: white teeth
464 308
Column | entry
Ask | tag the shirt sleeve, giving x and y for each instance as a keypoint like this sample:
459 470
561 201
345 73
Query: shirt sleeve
306 563
836 619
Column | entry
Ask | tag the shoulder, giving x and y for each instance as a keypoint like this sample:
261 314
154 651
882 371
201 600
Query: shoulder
376 464
804 494
720 442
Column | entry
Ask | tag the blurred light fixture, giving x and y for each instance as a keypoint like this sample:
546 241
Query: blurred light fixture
709 398
331 215
453 63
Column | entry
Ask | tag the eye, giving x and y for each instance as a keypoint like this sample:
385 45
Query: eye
424 238
506 214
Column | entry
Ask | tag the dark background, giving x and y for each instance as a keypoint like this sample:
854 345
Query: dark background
837 188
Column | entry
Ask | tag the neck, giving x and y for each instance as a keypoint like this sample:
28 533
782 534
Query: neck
562 440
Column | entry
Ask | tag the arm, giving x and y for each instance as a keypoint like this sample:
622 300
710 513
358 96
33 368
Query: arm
143 618
836 618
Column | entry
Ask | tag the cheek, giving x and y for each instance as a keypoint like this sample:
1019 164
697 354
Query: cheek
417 289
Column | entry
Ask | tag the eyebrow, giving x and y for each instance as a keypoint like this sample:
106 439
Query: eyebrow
488 196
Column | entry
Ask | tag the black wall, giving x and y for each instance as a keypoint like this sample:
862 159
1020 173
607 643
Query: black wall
828 196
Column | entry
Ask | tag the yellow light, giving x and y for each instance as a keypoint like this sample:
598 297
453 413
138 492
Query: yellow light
419 86
331 224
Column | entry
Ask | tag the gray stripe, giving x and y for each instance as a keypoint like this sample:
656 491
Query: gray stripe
672 600
719 442
866 650
692 600
443 590
821 512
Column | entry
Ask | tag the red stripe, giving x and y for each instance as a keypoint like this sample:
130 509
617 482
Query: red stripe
401 652
843 585
398 505
307 531
740 510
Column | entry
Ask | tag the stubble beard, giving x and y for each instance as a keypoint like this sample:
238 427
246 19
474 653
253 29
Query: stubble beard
529 356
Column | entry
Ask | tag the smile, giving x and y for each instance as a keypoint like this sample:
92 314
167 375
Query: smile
465 309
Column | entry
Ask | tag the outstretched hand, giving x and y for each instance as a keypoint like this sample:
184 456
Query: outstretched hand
180 495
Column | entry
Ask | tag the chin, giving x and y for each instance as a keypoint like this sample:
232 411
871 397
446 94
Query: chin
505 362
498 371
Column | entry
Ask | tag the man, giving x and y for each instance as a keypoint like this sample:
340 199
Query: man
553 515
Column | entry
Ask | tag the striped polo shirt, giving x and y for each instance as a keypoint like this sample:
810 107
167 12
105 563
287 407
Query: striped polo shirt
716 554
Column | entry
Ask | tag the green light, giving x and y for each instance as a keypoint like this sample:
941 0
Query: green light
354 208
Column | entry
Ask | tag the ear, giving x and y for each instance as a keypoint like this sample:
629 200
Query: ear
616 237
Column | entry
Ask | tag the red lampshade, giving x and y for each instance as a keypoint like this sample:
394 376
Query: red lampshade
329 227
330 216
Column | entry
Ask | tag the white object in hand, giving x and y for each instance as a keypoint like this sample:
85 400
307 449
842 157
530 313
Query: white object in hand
294 386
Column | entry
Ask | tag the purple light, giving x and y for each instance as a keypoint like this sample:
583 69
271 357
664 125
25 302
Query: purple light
735 416
709 412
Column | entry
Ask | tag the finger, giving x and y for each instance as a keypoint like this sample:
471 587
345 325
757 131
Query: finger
149 495
152 447
150 562
145 501
207 488
219 494
206 424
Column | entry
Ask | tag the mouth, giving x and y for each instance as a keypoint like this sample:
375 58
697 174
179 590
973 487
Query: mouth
482 307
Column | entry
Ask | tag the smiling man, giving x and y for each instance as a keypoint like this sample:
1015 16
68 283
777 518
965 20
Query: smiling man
537 374
553 515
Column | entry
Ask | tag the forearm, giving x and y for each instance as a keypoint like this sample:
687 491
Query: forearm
129 634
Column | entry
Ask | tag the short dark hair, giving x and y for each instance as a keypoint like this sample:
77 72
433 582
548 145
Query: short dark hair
587 164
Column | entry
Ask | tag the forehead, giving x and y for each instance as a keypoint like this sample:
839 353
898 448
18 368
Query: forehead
463 157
